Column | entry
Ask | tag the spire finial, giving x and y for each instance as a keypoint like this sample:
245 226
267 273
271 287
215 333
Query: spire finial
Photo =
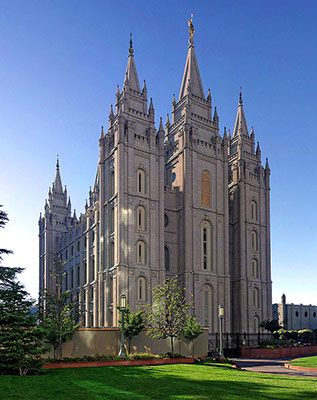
240 96
191 29
57 162
131 51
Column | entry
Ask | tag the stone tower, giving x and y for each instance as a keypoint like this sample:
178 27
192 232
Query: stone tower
249 209
197 173
52 225
132 199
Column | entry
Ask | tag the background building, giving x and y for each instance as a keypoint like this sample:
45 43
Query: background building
295 316
177 200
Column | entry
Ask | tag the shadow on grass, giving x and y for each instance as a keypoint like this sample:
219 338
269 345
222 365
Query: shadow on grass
192 382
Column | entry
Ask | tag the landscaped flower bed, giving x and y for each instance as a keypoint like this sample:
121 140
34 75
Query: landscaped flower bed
114 360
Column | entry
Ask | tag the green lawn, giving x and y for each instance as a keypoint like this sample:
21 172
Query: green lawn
306 362
167 382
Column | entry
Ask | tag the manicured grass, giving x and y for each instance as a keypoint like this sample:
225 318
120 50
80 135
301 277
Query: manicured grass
168 382
306 362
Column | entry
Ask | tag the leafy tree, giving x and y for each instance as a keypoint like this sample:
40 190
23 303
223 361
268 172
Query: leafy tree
168 314
133 324
21 342
58 315
191 330
270 326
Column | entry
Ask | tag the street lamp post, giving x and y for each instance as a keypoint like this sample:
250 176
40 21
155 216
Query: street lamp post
122 308
220 316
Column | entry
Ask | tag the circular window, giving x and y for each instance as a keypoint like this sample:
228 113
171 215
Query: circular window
166 220
173 177
296 313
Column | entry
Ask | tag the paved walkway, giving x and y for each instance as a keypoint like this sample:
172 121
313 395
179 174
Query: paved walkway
270 366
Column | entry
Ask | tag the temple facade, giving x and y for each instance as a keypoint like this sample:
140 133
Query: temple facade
181 199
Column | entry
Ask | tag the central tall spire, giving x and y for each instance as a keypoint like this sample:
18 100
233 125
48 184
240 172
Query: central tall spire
131 76
57 180
191 83
240 127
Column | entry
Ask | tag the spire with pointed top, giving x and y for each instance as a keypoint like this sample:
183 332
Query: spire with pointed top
101 133
174 100
144 89
191 83
224 133
151 111
58 187
267 167
258 150
240 126
161 129
131 76
167 123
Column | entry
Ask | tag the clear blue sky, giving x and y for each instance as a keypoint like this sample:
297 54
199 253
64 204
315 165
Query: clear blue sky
60 62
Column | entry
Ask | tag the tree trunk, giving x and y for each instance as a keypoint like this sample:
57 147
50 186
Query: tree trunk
172 346
20 371
129 345
193 348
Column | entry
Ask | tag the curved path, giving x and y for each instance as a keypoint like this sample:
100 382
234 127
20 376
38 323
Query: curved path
272 366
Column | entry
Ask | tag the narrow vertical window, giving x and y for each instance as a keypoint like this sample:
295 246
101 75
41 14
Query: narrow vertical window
205 188
256 324
78 275
111 183
255 298
111 254
140 218
207 307
254 241
141 287
140 252
140 181
206 246
254 266
254 211
167 258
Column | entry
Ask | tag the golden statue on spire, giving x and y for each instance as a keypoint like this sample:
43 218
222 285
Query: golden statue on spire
191 27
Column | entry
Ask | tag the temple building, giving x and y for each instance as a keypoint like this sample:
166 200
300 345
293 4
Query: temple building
181 199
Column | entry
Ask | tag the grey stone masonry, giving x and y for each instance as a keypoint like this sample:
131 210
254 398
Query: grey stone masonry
178 200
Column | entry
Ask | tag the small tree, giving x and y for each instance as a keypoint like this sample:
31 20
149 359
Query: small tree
58 315
191 330
21 342
167 316
270 326
133 324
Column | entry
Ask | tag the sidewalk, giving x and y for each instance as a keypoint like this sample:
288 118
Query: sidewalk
274 366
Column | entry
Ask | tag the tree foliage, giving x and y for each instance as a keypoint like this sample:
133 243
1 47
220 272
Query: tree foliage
21 342
270 326
3 220
168 314
191 330
133 324
58 315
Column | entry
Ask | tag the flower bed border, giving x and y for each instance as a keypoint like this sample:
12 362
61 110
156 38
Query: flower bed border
119 363
285 352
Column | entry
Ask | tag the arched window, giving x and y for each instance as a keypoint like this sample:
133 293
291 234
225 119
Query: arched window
207 307
140 181
255 270
140 252
140 218
256 324
206 246
256 299
254 211
167 258
205 188
254 240
141 287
